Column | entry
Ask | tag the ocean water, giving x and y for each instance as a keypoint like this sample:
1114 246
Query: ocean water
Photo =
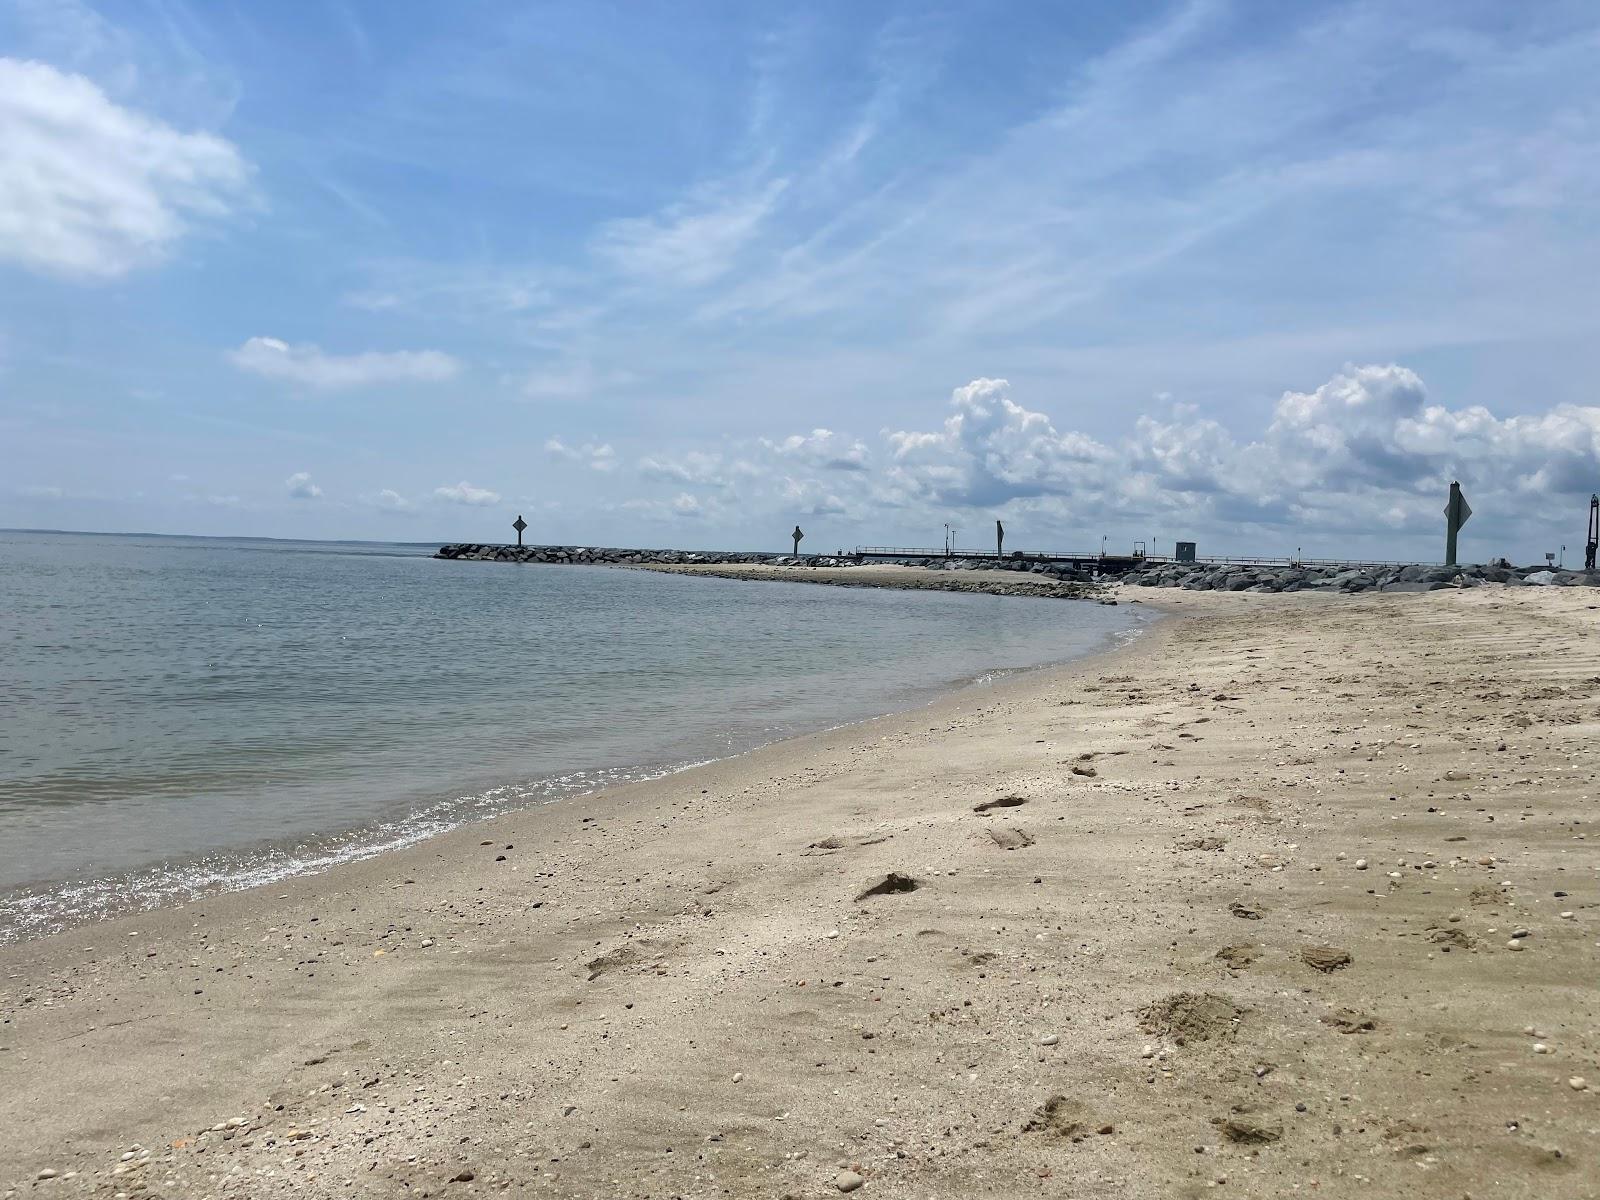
180 715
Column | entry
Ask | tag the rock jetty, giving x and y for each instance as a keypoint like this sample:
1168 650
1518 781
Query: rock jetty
1236 577
612 556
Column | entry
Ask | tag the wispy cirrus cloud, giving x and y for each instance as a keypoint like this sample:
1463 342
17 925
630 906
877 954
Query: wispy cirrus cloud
694 241
313 367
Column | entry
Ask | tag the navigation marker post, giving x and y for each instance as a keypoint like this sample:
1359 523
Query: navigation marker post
999 540
797 535
519 525
1456 513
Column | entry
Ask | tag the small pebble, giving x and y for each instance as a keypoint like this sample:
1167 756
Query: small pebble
1049 1039
1361 864
848 1181
1577 1083
1540 1048
738 1076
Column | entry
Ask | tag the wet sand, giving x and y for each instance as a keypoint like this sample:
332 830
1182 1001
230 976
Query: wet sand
1242 924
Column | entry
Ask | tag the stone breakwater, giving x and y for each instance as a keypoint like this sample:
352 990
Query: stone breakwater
1234 577
942 575
931 581
611 556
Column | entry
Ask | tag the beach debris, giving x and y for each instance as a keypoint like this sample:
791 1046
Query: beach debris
891 884
1237 957
1326 958
1348 1020
1448 938
848 1181
1246 1127
1084 770
1000 802
622 956
1191 1017
1010 837
1059 1117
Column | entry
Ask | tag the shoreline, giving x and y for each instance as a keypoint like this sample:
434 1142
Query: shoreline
896 577
675 987
168 883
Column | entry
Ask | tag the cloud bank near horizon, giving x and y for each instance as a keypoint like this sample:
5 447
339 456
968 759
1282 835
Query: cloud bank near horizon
1368 452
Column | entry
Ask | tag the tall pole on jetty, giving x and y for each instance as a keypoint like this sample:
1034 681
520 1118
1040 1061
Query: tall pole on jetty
999 540
1456 512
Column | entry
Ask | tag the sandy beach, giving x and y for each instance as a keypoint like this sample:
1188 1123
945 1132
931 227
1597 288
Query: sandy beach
1293 896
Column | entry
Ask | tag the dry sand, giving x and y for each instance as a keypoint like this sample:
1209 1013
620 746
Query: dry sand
1242 928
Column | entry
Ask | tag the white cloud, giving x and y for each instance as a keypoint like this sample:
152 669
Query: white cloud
691 243
466 493
390 501
300 486
822 448
308 365
1363 452
701 467
596 456
90 189
992 449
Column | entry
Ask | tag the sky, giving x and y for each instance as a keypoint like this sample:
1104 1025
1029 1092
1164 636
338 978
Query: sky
1265 277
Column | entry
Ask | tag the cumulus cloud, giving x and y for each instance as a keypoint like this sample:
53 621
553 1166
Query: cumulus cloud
705 468
991 449
683 506
1369 453
1365 451
92 190
300 486
822 448
466 493
391 501
595 456
312 367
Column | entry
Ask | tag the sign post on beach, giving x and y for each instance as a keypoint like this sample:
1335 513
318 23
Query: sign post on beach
999 540
797 535
1456 513
519 525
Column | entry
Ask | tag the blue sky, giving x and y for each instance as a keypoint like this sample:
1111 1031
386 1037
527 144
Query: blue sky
1263 276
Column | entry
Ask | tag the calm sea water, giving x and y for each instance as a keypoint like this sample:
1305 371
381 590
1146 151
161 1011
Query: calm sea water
179 715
